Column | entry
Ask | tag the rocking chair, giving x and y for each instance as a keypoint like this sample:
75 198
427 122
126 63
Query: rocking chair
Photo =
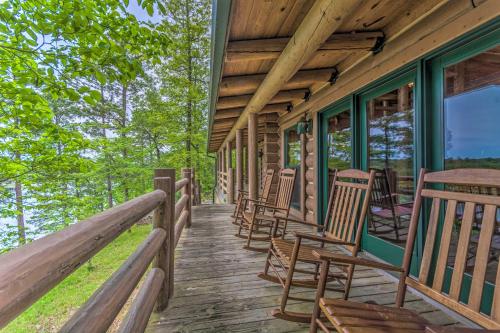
263 216
347 205
353 317
242 202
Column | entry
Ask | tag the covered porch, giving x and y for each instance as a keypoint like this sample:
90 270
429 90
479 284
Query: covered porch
217 288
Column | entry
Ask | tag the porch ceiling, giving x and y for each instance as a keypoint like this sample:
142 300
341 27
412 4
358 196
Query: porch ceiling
259 30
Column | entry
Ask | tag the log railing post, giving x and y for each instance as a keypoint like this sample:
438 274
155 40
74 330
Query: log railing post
193 187
164 217
186 173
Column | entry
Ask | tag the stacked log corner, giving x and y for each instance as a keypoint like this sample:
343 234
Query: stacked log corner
271 148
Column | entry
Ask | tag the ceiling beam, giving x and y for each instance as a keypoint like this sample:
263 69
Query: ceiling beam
324 17
242 100
271 48
248 84
224 116
228 113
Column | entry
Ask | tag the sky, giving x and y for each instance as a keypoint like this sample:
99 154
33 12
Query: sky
472 122
141 14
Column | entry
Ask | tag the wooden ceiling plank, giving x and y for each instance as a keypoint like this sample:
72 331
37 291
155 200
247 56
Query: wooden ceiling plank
324 17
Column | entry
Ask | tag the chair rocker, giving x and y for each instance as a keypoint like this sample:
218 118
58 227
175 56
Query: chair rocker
352 317
347 204
242 202
262 218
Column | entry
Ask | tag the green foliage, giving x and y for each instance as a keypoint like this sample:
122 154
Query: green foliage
91 101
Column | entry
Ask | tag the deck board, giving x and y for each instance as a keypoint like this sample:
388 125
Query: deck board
217 290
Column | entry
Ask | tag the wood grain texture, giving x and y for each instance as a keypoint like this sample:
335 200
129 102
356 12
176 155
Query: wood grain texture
99 312
217 290
30 271
138 315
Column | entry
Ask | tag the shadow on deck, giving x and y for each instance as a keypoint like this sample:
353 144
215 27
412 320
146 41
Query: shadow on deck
217 288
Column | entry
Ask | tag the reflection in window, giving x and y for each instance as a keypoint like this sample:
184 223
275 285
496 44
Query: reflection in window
293 162
293 148
472 138
390 152
339 143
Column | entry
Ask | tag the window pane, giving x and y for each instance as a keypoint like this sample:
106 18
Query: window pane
339 143
390 144
472 139
293 162
293 148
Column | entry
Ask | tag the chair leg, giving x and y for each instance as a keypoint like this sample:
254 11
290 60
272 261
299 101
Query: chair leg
289 276
325 267
250 230
348 281
269 255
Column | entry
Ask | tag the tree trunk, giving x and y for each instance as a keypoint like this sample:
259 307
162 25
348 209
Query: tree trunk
124 151
109 183
189 115
21 231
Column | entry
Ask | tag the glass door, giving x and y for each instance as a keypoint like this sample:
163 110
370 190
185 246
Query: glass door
466 134
336 147
387 139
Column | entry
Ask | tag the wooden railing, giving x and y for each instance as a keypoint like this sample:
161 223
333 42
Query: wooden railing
29 272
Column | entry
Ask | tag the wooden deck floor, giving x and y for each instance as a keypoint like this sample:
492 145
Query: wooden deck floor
217 290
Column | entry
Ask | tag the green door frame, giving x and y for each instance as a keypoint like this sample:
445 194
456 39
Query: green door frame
381 248
332 110
436 67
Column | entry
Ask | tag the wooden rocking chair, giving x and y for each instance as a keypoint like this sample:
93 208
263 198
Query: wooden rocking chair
242 202
353 317
347 205
265 216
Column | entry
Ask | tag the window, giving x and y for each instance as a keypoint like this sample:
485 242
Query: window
390 154
292 161
339 141
471 107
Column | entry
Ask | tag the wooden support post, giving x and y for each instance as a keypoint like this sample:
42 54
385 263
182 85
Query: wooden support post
252 156
230 186
303 169
186 173
230 176
239 160
164 179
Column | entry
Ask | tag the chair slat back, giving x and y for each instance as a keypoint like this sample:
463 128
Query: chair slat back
267 184
286 182
348 204
457 211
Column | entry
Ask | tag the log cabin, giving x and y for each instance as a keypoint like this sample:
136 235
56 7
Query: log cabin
386 86
392 86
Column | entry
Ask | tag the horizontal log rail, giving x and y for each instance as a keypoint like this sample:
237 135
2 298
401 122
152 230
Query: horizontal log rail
29 272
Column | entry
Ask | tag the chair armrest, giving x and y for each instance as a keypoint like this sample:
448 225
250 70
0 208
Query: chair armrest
270 207
321 239
291 219
345 259
253 200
